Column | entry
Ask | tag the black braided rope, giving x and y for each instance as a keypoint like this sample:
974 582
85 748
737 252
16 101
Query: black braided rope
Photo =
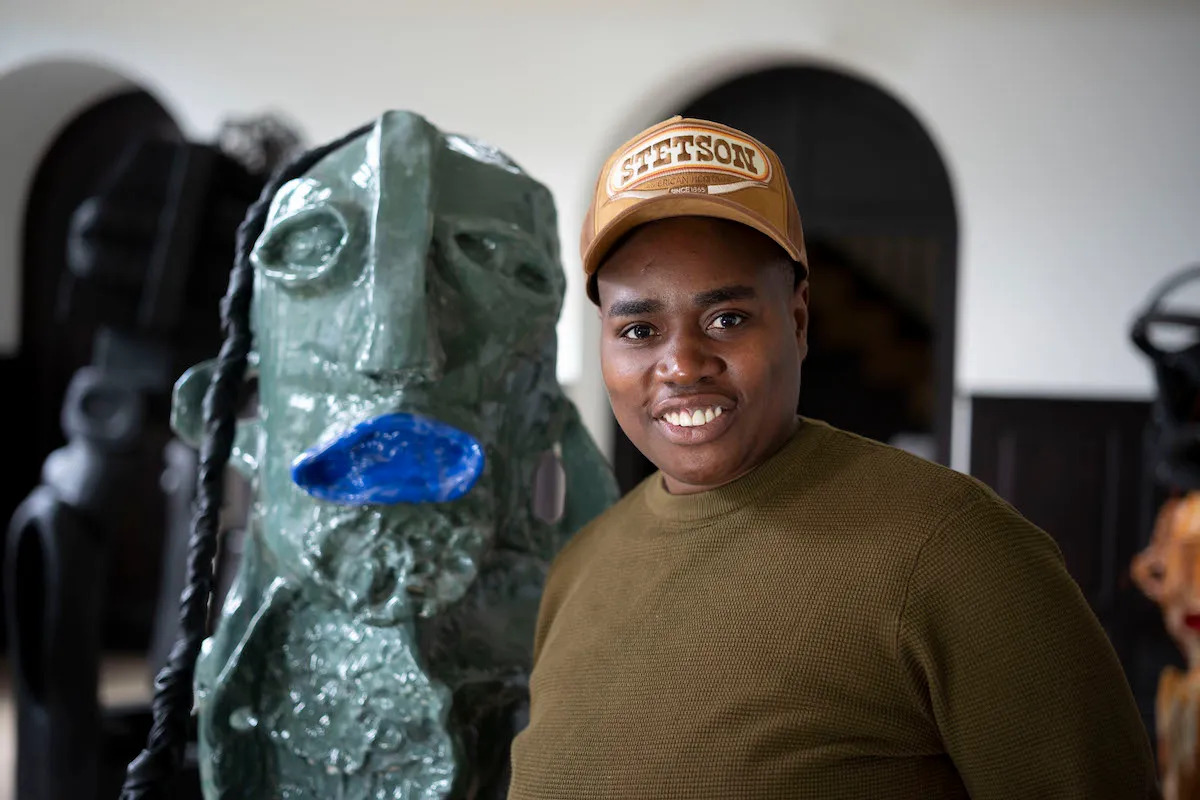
151 774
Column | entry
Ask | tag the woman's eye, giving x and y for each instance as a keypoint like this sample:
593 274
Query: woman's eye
730 319
639 331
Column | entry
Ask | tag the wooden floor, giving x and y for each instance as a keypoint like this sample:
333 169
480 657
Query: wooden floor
123 679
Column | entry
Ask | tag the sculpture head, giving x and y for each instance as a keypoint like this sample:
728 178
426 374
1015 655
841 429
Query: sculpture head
406 290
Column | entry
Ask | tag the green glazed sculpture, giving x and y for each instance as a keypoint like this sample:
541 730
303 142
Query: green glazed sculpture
409 281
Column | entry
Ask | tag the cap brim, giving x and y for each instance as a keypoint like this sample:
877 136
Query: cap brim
675 205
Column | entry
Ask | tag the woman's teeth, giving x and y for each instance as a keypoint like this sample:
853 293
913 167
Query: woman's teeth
692 419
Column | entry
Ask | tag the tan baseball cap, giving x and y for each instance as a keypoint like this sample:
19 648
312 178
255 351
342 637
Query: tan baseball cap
689 168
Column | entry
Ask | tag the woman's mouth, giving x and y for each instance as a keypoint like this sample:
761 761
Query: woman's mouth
693 418
694 424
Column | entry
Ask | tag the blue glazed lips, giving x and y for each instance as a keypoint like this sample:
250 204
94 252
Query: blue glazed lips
395 458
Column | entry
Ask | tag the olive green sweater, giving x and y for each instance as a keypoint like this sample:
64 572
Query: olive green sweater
845 621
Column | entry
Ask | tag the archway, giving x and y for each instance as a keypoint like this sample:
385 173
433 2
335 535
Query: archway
881 227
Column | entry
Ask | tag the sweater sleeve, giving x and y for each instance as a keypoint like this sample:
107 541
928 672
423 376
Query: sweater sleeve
1003 652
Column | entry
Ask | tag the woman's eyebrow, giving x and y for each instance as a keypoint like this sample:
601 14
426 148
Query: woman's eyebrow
633 308
723 295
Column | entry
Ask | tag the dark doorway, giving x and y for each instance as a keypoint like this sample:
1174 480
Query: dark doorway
882 233
57 338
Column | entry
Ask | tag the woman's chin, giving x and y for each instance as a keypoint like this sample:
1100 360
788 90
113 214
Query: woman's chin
687 479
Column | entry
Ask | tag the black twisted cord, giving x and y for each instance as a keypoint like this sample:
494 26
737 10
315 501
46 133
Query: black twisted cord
150 775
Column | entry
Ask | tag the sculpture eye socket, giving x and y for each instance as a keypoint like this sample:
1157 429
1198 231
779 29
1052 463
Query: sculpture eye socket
532 277
511 258
303 247
479 247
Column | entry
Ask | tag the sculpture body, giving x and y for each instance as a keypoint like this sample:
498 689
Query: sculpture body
377 641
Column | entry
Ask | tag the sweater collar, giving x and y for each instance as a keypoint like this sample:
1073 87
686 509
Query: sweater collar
739 493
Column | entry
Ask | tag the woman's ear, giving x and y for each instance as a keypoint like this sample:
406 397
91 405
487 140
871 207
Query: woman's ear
799 309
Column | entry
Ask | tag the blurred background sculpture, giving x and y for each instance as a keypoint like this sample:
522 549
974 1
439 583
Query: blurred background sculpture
1168 569
146 259
415 467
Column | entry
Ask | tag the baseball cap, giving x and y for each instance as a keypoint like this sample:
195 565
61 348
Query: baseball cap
686 167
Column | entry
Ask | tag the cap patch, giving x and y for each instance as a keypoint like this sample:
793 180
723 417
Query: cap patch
688 159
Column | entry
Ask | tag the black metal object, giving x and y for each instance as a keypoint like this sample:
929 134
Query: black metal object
149 254
1174 436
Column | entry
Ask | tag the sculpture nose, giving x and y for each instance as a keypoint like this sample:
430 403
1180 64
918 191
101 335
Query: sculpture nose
400 330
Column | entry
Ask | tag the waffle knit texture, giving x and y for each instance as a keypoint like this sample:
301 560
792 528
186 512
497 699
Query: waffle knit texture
844 621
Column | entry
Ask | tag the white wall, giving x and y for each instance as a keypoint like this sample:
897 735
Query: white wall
1070 129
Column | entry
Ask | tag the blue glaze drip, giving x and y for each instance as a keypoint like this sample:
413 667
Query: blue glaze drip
395 458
